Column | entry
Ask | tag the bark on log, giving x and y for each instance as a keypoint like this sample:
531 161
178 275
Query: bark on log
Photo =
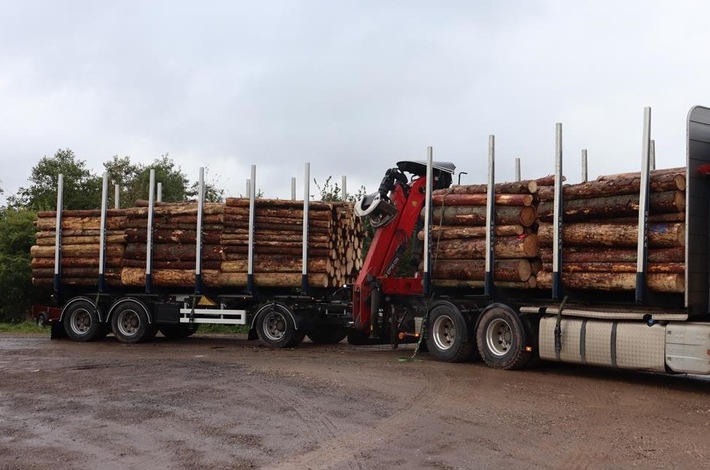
653 218
515 187
77 251
134 235
616 267
237 252
81 240
613 255
160 264
173 252
276 263
475 215
531 283
82 223
615 187
613 235
80 213
286 212
453 199
448 232
475 248
637 174
312 205
668 283
515 270
613 206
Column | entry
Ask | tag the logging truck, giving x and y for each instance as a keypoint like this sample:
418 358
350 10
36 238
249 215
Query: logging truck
611 272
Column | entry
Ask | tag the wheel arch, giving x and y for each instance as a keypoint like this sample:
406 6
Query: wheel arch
290 311
81 298
118 303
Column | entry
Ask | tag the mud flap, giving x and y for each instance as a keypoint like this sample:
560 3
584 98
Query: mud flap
57 330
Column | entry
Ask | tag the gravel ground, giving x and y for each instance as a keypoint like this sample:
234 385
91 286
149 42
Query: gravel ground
225 402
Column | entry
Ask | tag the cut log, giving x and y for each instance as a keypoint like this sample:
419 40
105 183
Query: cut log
475 248
476 215
515 187
80 240
452 199
615 187
613 255
474 269
614 235
173 252
637 174
613 206
76 251
275 263
617 267
448 232
82 223
244 202
531 283
668 283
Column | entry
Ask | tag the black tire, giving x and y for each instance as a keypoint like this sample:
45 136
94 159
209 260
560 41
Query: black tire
179 331
447 334
501 339
129 322
81 321
276 328
327 334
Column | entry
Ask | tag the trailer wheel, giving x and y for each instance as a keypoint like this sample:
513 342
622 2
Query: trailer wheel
129 322
501 339
81 321
183 330
327 335
276 327
447 336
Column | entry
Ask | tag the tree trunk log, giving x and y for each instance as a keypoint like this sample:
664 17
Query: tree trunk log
613 255
475 215
613 206
616 267
615 187
452 199
276 263
531 283
669 283
613 235
475 248
515 187
448 232
515 270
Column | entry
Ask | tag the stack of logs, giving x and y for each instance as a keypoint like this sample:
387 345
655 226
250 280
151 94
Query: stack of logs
600 227
81 232
334 245
459 235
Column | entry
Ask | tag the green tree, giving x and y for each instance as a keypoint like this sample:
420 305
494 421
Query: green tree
82 189
17 235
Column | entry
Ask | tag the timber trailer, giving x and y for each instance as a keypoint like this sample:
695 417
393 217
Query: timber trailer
508 328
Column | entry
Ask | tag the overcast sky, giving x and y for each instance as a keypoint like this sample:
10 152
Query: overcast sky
350 86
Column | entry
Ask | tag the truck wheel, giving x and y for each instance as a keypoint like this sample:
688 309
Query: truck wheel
81 321
180 331
276 328
447 335
129 322
501 339
327 335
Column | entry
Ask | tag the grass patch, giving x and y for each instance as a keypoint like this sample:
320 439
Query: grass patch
210 328
24 327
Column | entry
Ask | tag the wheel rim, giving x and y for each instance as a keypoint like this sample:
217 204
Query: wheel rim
499 337
80 321
444 332
128 323
274 326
